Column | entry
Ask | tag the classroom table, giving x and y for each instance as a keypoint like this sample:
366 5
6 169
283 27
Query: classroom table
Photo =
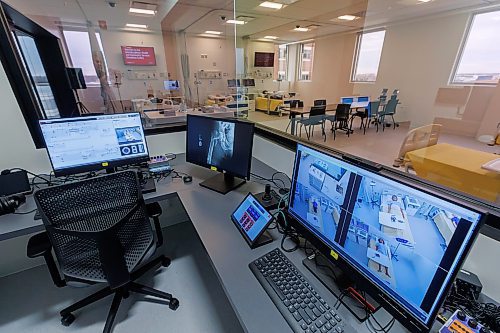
457 167
301 111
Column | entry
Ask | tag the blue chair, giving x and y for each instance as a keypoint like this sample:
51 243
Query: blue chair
365 115
389 110
316 117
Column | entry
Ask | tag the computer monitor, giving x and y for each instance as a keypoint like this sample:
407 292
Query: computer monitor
172 85
363 99
92 143
403 244
346 100
233 83
248 83
223 145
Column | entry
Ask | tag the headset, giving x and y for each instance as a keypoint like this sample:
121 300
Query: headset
9 204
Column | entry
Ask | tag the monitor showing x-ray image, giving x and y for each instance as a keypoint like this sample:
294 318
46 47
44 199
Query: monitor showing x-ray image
223 145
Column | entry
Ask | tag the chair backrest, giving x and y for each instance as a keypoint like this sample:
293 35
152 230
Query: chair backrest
342 112
373 108
300 104
317 110
320 102
417 138
99 227
390 107
293 103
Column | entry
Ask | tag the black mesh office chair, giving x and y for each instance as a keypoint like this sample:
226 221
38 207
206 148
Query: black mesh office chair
320 102
340 121
100 231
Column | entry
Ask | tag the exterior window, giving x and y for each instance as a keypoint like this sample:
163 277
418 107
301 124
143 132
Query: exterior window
281 70
306 62
479 57
367 56
78 44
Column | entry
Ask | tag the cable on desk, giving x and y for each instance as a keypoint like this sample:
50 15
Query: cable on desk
25 213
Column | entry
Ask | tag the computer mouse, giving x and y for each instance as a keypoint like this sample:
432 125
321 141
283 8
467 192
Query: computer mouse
187 179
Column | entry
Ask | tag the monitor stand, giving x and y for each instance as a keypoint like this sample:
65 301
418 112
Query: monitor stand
223 183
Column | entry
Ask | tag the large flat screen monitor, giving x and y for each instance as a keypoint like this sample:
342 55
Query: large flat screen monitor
92 143
264 59
139 56
223 145
405 244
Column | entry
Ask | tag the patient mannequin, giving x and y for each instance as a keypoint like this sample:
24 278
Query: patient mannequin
394 202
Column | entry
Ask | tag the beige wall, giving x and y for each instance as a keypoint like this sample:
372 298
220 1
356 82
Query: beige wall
418 58
332 65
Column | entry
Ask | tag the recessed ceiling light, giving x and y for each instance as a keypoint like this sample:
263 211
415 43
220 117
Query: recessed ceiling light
300 29
142 11
238 22
272 5
271 37
211 32
133 25
348 17
424 1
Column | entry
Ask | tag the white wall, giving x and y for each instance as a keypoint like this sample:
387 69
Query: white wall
262 84
331 70
221 56
418 58
112 42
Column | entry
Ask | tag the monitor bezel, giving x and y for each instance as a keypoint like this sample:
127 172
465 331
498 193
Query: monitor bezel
404 316
208 166
98 165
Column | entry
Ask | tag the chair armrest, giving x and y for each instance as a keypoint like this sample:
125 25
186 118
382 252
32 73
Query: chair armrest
39 245
154 211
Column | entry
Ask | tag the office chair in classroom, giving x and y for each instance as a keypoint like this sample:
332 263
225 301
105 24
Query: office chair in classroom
316 117
340 120
320 102
100 231
388 110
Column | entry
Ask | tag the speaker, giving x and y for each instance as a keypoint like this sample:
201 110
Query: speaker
75 78
14 182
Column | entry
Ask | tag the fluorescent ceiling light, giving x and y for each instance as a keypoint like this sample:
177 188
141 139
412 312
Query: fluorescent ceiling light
211 32
133 25
271 37
142 11
424 1
348 17
301 29
272 5
238 22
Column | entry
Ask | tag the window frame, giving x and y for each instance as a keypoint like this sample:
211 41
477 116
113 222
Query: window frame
355 59
301 58
287 61
70 59
461 51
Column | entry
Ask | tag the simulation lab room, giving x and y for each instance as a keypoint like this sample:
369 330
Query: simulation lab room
249 166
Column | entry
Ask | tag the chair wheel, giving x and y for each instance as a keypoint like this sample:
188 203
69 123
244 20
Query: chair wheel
174 304
68 319
165 262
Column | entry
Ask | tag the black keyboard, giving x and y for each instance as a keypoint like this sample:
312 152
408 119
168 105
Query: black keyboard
303 308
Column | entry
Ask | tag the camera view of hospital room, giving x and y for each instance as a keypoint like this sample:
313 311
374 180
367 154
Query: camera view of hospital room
399 237
320 193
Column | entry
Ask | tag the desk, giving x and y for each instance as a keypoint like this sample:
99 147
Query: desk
155 118
229 254
458 168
